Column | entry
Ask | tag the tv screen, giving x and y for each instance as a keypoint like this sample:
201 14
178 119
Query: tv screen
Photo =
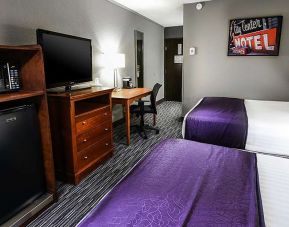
67 59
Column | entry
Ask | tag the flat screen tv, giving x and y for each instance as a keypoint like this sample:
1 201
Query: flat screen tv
67 59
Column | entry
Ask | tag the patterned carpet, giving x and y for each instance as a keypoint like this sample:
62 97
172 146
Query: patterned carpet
76 201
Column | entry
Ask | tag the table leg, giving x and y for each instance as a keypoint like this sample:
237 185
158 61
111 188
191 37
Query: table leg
127 122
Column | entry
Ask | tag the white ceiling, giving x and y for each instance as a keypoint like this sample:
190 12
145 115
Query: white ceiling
164 12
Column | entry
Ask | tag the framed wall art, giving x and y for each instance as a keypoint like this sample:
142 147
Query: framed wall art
255 36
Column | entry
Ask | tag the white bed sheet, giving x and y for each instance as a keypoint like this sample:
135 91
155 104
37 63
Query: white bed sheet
268 132
268 126
274 187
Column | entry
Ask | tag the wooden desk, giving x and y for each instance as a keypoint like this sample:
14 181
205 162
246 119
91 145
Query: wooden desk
126 97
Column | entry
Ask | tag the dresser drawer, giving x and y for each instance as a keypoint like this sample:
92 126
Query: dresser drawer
84 124
94 152
89 137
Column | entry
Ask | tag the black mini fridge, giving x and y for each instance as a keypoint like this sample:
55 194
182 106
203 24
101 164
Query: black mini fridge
21 166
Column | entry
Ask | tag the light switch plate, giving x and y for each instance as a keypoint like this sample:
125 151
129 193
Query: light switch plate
192 51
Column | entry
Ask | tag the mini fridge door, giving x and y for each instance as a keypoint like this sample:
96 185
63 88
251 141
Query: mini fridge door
21 164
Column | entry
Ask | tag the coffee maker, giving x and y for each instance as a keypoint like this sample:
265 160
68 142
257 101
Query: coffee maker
127 82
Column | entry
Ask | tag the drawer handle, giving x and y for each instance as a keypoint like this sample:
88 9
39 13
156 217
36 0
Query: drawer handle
84 141
85 157
106 129
106 144
84 123
105 114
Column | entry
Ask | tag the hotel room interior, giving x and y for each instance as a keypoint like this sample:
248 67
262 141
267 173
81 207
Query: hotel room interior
144 113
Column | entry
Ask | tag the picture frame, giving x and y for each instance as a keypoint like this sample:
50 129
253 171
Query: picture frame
259 36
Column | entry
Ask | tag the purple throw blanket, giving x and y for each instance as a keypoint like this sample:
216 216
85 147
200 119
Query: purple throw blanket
219 121
184 183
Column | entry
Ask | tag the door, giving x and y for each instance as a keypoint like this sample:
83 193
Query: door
140 63
139 42
173 69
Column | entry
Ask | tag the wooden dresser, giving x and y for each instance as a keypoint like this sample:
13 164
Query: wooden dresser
81 127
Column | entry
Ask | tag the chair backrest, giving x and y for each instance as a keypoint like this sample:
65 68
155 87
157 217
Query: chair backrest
153 97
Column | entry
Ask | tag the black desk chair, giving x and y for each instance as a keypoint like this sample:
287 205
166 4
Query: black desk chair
141 109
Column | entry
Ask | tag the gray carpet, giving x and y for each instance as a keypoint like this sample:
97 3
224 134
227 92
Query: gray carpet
76 201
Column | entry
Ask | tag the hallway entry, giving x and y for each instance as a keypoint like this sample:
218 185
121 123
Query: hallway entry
173 69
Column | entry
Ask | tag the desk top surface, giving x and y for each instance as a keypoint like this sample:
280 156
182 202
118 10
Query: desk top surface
130 93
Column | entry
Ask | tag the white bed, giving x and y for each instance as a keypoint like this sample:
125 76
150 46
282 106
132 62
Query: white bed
274 186
268 132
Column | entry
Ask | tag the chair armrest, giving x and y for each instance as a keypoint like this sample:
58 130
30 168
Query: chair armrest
140 100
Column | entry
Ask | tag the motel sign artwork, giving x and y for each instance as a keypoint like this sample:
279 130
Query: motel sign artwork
255 36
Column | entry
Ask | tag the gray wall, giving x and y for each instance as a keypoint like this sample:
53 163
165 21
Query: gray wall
212 73
174 32
110 27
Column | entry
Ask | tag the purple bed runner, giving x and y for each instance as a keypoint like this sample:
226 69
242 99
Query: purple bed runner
184 183
219 121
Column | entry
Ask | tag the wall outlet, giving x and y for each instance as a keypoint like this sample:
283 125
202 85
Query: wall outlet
193 51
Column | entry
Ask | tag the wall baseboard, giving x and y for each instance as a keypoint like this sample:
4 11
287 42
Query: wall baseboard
122 120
